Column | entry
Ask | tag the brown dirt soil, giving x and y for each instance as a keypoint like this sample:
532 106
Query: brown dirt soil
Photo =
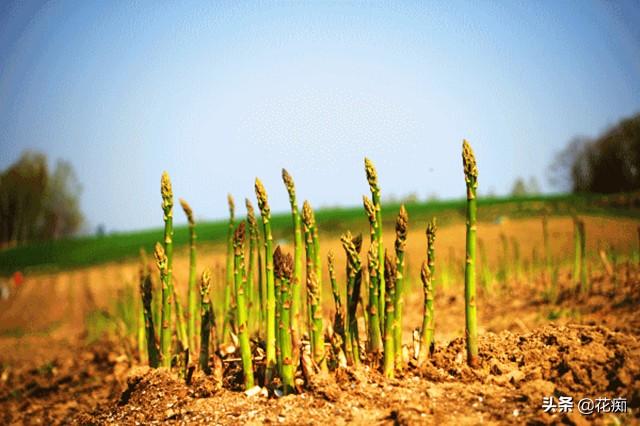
581 346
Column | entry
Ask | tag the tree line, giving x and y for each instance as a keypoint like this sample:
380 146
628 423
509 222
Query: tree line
609 163
37 203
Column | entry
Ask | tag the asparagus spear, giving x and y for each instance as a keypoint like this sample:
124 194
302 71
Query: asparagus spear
471 180
192 308
351 246
398 302
375 322
583 258
576 252
227 311
240 280
339 319
427 274
375 336
428 322
283 266
296 280
252 304
181 326
150 334
389 321
165 332
372 179
314 286
166 272
206 320
265 213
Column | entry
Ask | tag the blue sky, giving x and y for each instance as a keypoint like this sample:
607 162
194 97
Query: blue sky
218 93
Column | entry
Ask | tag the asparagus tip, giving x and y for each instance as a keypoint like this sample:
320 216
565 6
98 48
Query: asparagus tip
166 190
238 237
282 264
288 182
232 205
372 175
261 194
187 210
307 214
469 163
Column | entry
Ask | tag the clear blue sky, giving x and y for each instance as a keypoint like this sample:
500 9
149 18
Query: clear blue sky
218 93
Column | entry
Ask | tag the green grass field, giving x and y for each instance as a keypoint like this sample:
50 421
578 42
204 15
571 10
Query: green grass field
77 252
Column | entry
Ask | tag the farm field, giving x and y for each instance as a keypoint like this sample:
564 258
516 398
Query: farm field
65 356
319 213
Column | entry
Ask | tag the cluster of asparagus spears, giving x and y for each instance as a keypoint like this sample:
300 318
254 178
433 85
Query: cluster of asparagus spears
264 299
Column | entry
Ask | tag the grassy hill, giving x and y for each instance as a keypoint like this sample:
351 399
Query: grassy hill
76 252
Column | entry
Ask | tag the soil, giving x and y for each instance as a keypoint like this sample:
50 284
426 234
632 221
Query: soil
583 346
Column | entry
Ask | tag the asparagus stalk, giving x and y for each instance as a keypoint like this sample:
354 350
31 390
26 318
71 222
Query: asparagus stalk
252 304
150 334
354 276
339 318
310 278
206 320
515 248
428 321
227 312
265 213
427 275
375 337
193 293
583 258
283 266
372 179
156 307
262 288
505 259
314 285
167 283
165 333
142 340
296 280
389 320
432 228
400 245
240 280
181 326
375 325
471 180
279 325
575 276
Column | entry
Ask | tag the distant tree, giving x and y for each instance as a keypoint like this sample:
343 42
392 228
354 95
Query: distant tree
532 186
35 205
607 164
61 210
22 188
519 189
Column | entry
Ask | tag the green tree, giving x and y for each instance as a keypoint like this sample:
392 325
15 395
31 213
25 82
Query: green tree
61 207
519 188
606 164
35 204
